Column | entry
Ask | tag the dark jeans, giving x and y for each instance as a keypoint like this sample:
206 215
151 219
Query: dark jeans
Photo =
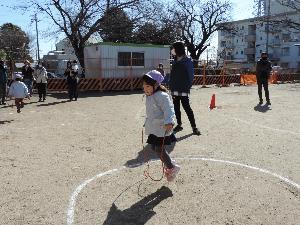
41 90
263 82
187 108
73 93
2 92
164 156
28 83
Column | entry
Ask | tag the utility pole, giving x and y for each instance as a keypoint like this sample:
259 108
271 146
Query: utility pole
37 37
267 28
207 57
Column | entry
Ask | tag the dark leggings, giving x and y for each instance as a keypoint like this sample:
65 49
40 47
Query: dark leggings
263 82
73 93
42 89
164 156
187 108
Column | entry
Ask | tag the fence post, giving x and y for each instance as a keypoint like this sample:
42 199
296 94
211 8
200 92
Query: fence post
204 76
223 73
101 74
130 73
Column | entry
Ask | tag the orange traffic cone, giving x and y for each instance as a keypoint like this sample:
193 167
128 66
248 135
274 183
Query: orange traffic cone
212 102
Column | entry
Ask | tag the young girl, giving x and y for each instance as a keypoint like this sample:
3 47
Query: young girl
19 91
159 119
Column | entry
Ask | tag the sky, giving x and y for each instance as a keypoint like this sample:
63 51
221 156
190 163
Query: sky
241 10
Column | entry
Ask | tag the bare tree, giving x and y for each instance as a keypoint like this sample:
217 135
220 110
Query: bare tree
289 19
198 21
78 19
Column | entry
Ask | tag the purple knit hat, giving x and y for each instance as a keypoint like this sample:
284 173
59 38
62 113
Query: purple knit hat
155 75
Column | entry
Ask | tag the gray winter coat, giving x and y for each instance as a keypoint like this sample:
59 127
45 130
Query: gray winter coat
159 112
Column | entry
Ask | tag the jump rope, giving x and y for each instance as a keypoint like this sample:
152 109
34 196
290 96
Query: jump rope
146 160
146 171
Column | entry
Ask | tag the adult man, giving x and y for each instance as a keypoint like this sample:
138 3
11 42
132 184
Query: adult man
27 73
3 81
181 79
263 69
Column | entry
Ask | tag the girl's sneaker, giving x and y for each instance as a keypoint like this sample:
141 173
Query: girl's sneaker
171 173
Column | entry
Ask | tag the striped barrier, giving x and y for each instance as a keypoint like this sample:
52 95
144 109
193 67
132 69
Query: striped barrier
135 83
118 84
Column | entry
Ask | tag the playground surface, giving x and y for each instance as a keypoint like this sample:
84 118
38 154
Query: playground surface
80 162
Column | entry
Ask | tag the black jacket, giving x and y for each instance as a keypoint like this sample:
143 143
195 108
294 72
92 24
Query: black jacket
27 74
263 68
182 75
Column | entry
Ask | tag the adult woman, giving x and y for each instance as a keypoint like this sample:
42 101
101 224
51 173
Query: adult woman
41 81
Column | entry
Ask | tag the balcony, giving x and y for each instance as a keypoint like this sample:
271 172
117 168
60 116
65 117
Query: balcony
250 38
274 57
276 43
249 51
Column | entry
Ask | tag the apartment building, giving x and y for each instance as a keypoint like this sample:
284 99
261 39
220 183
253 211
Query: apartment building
248 38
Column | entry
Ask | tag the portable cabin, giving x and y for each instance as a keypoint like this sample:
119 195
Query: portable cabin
124 60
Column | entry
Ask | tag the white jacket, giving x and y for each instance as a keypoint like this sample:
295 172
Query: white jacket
18 90
41 75
159 112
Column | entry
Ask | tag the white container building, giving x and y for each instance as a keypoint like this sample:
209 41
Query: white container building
121 60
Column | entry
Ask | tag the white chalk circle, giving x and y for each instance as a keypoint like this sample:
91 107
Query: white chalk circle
72 202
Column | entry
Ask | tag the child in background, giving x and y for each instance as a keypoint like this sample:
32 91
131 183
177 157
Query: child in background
19 91
159 120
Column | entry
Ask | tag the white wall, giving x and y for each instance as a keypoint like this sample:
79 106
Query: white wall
102 60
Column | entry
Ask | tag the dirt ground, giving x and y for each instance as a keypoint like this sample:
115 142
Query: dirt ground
77 162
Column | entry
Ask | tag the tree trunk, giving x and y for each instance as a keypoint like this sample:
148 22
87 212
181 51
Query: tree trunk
80 56
79 52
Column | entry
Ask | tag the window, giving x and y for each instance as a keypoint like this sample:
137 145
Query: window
242 52
299 51
237 40
124 58
285 65
131 59
223 33
236 52
286 51
138 59
286 37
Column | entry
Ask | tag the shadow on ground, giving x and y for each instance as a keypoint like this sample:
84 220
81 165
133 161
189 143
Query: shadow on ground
140 212
184 137
88 94
52 103
262 108
147 154
5 121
